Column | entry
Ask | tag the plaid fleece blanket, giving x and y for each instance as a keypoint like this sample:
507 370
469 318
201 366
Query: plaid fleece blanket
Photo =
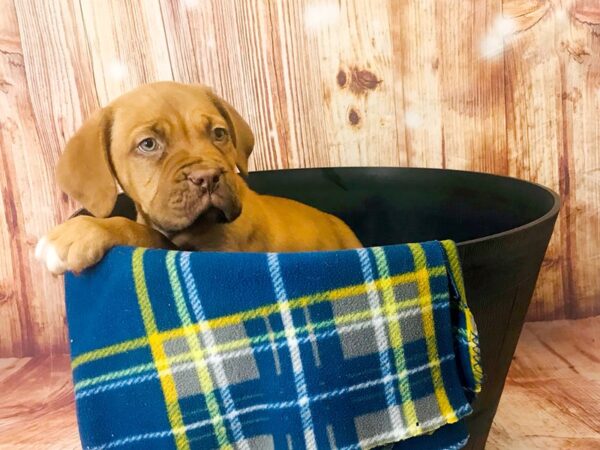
349 349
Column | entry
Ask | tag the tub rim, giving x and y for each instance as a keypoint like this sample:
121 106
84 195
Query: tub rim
553 211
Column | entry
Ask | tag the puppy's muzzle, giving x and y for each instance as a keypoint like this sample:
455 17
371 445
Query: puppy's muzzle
206 179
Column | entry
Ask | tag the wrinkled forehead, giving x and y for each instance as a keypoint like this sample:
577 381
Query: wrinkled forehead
177 104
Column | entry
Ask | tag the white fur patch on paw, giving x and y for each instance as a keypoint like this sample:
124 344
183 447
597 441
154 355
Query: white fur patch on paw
53 261
46 253
40 248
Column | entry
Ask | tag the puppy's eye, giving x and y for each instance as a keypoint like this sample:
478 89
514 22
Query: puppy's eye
148 145
219 134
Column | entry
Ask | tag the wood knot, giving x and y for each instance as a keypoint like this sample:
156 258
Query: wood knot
574 96
353 117
5 297
363 81
577 49
341 78
5 85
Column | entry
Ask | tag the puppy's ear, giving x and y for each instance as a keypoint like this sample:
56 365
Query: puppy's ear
241 134
84 170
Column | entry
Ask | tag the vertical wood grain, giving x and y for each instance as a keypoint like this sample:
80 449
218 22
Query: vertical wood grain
501 86
534 127
343 71
552 72
580 68
472 88
127 45
416 61
228 45
40 86
15 279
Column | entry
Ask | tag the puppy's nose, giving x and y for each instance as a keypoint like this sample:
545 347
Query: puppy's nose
207 179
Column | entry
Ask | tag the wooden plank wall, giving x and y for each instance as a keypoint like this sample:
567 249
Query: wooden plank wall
507 87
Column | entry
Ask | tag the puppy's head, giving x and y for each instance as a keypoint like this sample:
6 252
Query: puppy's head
175 149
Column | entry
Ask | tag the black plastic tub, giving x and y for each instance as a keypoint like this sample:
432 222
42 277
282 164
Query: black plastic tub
502 227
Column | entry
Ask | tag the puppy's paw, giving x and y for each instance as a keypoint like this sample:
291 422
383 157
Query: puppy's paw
73 246
46 253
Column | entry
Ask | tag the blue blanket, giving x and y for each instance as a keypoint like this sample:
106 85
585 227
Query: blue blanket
349 349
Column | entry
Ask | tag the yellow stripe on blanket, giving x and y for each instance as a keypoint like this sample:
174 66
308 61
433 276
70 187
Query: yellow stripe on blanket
197 354
396 341
158 353
357 318
234 319
470 327
429 330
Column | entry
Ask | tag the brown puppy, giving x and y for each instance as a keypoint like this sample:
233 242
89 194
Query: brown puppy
174 149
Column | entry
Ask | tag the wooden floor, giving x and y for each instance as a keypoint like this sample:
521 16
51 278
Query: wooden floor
552 395
551 400
37 409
